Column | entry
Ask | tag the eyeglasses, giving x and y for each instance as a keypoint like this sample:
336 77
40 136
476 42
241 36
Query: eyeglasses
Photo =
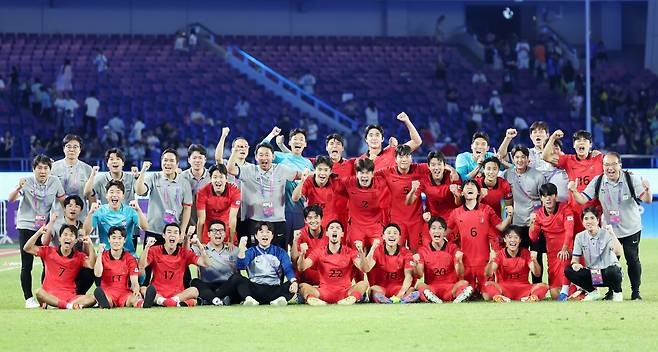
72 146
610 164
213 231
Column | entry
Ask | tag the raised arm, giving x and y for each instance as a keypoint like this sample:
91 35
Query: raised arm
89 185
140 186
297 192
411 196
303 263
232 225
504 145
89 219
535 267
31 244
577 196
646 196
13 195
617 248
219 149
548 154
98 266
204 260
141 217
369 262
415 141
143 259
509 212
89 248
232 166
459 263
406 284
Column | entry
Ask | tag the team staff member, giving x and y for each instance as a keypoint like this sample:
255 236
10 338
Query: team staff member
196 175
263 192
38 194
539 134
617 191
219 200
95 186
71 171
469 164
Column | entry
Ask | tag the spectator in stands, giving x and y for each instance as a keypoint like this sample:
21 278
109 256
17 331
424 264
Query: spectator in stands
568 78
242 108
476 113
69 109
311 130
64 81
479 77
508 82
452 96
441 69
449 148
46 103
3 87
6 146
539 52
35 95
136 152
179 43
100 62
307 81
109 139
489 48
372 114
197 117
509 58
576 105
90 119
552 71
117 125
496 107
14 84
193 39
435 129
136 131
284 121
522 55
521 125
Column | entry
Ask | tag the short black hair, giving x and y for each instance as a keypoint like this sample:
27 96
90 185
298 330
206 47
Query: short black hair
171 151
42 159
394 225
215 222
267 224
72 228
471 181
547 189
436 154
335 136
321 159
72 137
336 222
316 208
113 229
218 167
402 149
581 134
264 145
491 159
116 151
591 210
296 131
170 224
196 148
438 219
374 127
117 184
482 135
364 165
76 199
520 148
539 125
512 228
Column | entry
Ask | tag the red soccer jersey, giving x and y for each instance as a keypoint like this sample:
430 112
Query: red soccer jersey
557 227
513 269
439 264
117 272
399 186
363 202
384 160
324 196
582 169
61 270
169 269
502 190
439 201
217 206
336 270
389 269
344 168
475 232
312 242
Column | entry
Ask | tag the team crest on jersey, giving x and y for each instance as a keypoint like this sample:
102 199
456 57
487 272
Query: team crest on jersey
569 218
481 219
124 223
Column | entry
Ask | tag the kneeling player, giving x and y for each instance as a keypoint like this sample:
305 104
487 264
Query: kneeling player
313 235
440 264
62 265
335 264
512 265
117 268
169 262
392 269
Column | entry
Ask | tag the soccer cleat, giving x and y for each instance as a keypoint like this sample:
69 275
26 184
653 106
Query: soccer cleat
608 295
349 300
593 296
578 295
563 297
431 297
314 301
250 301
149 297
296 299
501 299
635 296
464 295
364 299
187 303
380 298
76 306
617 297
410 298
281 301
217 302
226 301
32 303
531 298
101 298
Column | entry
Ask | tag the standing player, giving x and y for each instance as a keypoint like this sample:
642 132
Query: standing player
312 236
385 158
364 192
71 171
469 164
38 194
62 265
95 186
496 190
440 264
390 269
169 263
319 189
197 176
439 198
512 265
335 264
342 168
118 273
219 200
472 225
555 220
581 167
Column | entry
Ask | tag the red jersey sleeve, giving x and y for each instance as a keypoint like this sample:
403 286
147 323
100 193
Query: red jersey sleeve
315 255
494 220
562 162
568 226
507 189
499 258
235 197
133 270
308 183
201 199
338 185
150 257
452 226
190 257
408 259
534 233
43 251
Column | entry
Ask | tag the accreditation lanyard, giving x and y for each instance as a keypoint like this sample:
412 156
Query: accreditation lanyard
609 196
35 198
589 248
262 186
74 179
165 192
518 183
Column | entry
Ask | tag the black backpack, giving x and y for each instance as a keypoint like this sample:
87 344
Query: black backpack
629 182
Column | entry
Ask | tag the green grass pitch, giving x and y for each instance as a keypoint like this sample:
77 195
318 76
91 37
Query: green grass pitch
471 326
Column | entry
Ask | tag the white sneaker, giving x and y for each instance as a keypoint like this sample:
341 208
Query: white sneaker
466 293
32 303
617 297
281 301
349 300
250 301
593 296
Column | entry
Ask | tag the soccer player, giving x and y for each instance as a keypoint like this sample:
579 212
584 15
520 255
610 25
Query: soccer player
319 189
336 265
170 197
95 186
496 189
38 194
364 193
118 272
335 148
390 269
600 249
214 281
265 264
469 164
385 158
169 263
219 200
555 220
512 265
71 171
313 236
196 175
441 264
581 167
62 265
116 213
439 198
472 225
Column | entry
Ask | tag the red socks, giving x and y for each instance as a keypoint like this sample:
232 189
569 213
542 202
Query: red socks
540 291
169 303
491 291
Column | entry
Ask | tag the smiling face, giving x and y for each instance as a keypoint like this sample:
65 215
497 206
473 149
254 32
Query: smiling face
264 236
116 240
322 172
470 191
479 147
67 239
520 160
41 172
169 163
403 161
217 234
72 150
335 149
114 197
114 163
297 143
590 222
539 136
437 231
241 147
491 171
374 139
196 160
218 180
582 147
364 178
335 233
72 210
171 237
612 167
436 168
391 236
264 157
313 221
512 241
